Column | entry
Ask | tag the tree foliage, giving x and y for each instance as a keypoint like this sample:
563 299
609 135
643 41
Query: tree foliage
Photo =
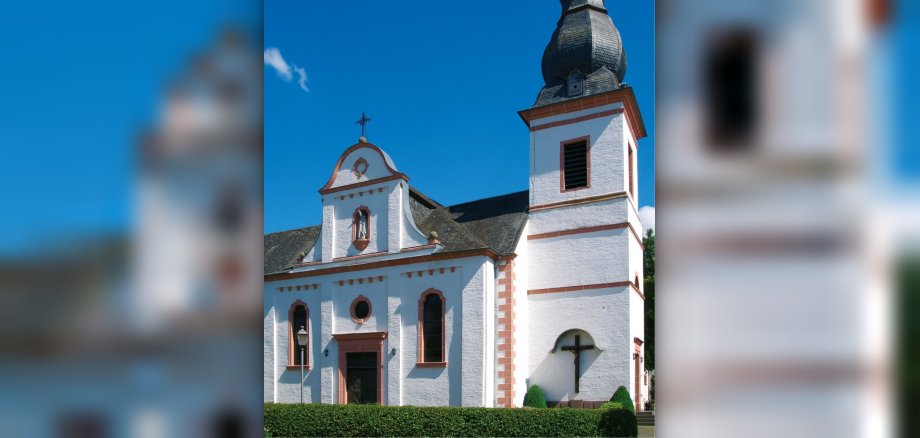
649 266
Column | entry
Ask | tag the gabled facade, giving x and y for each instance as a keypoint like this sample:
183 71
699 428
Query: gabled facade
408 302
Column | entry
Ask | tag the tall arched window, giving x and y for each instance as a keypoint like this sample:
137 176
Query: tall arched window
431 329
298 316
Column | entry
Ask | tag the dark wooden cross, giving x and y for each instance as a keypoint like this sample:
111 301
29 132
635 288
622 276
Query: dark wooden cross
576 350
363 123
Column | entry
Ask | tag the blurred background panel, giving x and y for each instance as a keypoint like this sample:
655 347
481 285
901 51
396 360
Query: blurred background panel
787 203
131 246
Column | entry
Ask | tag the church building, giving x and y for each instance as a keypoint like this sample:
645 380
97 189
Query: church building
397 299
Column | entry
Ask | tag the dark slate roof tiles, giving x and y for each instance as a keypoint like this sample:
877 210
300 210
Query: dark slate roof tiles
282 249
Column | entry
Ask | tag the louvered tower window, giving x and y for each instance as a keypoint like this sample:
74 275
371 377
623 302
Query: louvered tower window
575 165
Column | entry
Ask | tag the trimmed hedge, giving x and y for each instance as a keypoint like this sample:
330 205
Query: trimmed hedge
295 420
534 397
622 395
618 422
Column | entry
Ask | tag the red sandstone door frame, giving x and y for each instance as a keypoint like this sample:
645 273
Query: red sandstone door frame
637 350
359 343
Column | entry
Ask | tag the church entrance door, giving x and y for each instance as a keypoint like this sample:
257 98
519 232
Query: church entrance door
360 376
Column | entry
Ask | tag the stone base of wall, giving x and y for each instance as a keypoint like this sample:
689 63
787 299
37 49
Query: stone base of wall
576 404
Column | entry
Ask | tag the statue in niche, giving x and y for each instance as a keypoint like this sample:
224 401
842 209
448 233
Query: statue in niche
362 225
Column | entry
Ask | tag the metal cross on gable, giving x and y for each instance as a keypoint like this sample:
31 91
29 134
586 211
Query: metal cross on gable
576 350
363 123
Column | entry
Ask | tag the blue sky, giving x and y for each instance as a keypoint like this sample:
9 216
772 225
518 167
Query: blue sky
80 82
442 81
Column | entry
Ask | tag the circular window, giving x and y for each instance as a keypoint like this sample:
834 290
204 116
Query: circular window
360 309
360 167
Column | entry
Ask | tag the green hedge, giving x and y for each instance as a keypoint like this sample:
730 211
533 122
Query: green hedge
622 395
534 398
618 422
295 420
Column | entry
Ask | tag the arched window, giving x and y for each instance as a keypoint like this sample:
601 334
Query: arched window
431 328
298 316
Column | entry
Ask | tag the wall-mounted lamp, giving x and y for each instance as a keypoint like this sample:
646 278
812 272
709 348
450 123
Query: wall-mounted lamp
635 356
326 352
393 351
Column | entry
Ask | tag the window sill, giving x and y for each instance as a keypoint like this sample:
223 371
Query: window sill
297 367
431 365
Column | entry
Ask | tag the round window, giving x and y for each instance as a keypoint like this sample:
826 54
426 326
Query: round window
360 309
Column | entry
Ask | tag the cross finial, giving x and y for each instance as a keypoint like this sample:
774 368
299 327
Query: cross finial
363 123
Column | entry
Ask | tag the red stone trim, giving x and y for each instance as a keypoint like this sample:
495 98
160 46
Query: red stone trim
562 145
421 328
383 264
364 184
338 165
358 343
637 346
623 95
576 120
359 256
630 171
553 290
359 162
292 335
506 304
579 201
419 247
431 364
370 309
578 231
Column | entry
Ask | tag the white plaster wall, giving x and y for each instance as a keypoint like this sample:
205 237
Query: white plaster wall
473 375
606 149
410 235
613 211
490 319
343 209
327 233
637 330
465 284
287 382
268 348
375 167
579 259
344 295
604 314
522 323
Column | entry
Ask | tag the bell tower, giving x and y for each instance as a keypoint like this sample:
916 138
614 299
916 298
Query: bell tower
585 253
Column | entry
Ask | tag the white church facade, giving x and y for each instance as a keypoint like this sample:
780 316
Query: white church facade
404 301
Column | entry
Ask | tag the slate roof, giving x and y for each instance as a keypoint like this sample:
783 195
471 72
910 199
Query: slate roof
283 248
493 223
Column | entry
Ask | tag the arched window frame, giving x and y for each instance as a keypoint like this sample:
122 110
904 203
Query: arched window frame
420 362
360 244
292 335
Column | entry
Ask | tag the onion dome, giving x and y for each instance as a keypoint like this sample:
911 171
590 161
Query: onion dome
585 46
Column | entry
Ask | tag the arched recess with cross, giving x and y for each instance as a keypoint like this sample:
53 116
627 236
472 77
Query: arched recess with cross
565 371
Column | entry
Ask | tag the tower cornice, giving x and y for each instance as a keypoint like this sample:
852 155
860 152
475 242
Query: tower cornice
625 96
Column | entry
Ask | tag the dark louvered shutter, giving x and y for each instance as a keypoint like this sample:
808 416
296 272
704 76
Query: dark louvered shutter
576 165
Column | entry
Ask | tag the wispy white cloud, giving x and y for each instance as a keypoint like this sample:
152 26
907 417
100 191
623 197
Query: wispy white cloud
302 78
647 217
272 56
